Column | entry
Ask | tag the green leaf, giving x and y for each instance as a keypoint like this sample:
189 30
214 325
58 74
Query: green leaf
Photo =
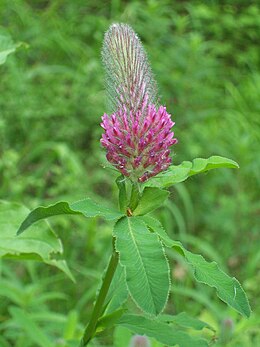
7 46
151 199
85 207
109 320
146 267
184 320
228 288
162 332
179 173
40 243
33 331
156 226
122 336
118 293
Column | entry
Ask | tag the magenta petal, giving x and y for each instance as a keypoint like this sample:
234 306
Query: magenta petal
138 143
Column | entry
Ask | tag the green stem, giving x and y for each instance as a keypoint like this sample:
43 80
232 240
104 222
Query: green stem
98 308
135 196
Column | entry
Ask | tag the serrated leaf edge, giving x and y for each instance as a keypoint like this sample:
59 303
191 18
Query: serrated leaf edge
169 277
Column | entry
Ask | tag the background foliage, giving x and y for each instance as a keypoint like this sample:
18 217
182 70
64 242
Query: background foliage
205 57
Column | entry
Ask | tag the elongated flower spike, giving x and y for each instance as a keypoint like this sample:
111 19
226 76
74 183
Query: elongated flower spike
138 134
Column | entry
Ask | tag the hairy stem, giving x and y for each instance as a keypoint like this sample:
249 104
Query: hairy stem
135 196
98 308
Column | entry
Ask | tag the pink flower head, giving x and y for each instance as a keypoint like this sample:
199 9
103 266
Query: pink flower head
138 133
139 341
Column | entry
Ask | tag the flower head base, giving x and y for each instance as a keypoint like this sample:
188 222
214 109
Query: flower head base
138 133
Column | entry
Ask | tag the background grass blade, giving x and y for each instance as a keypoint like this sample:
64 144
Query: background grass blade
40 243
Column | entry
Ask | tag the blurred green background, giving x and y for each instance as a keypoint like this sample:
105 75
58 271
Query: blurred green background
205 57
